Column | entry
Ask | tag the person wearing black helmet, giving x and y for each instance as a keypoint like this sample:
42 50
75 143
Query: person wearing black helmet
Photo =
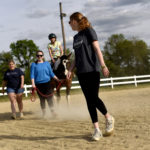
55 49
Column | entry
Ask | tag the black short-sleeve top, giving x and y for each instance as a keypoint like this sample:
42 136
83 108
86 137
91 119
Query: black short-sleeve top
86 59
13 78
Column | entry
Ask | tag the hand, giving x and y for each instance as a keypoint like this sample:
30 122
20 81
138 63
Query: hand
69 74
22 86
33 86
58 80
53 60
105 71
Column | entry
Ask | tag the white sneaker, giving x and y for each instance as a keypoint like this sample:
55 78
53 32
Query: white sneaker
54 114
97 135
13 116
110 125
21 115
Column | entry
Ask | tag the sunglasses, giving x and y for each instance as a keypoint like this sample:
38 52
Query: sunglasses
39 55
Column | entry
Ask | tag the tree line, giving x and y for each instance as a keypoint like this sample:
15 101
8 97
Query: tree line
123 57
126 57
23 52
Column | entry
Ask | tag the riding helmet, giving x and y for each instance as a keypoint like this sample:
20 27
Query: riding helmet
52 35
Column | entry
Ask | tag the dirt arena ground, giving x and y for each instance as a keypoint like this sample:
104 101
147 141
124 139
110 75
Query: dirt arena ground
72 129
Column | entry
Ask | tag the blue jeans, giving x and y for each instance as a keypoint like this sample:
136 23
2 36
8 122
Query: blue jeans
17 91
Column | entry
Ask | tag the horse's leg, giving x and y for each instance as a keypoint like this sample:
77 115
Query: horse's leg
58 96
68 87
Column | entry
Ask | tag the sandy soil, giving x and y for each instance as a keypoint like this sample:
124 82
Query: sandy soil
72 129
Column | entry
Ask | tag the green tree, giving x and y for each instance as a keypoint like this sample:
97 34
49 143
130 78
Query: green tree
5 57
24 53
126 57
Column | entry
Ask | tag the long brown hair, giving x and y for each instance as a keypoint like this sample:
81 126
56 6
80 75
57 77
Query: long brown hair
81 20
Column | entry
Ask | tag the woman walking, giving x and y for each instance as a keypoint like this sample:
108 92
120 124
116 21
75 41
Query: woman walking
41 74
88 60
14 80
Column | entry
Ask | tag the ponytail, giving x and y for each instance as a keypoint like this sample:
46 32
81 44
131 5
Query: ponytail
81 19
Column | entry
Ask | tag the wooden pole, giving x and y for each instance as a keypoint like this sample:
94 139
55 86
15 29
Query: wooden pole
62 26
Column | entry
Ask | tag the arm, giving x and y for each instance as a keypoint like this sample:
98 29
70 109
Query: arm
50 53
55 77
51 73
22 81
3 86
100 57
61 50
33 83
32 75
71 69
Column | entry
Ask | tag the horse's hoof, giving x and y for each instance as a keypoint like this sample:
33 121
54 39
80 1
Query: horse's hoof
68 97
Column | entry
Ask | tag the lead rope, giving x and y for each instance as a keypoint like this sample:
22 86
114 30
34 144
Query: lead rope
33 92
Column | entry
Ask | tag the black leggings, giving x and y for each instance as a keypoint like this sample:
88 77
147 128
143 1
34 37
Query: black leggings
89 83
45 89
49 101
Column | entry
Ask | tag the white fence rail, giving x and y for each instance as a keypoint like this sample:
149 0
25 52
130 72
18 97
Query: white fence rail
104 82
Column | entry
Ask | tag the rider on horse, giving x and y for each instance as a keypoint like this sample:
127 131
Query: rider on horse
55 50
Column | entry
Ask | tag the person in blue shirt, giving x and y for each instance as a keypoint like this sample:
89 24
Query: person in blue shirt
14 80
41 74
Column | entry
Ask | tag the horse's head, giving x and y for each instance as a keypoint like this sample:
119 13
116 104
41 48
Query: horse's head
62 66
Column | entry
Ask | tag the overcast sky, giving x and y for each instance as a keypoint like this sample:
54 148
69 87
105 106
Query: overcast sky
35 19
